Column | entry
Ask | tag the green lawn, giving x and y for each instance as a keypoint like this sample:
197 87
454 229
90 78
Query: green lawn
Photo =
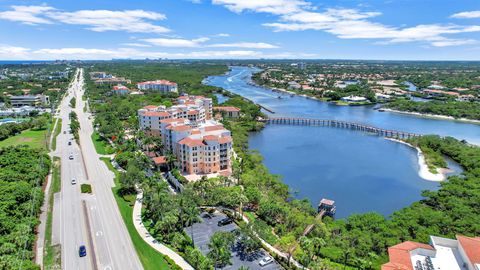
57 131
101 145
52 254
150 258
32 138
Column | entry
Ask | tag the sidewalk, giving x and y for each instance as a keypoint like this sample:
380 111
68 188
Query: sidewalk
137 221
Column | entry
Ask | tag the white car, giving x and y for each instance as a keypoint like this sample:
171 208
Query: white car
265 261
74 181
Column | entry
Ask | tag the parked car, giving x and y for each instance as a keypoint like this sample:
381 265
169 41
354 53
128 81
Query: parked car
82 251
224 221
265 261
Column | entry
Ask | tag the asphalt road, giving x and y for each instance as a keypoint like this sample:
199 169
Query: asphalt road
111 242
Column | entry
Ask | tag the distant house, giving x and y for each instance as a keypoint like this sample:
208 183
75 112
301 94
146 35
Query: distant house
120 90
294 85
353 99
228 111
382 96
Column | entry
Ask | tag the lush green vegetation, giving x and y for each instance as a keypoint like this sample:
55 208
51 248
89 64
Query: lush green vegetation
150 258
86 188
456 109
58 129
101 145
34 134
74 125
22 174
52 258
73 102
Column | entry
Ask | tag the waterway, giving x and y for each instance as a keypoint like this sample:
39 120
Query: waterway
360 172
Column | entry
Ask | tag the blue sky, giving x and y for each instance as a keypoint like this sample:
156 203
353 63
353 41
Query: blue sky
333 29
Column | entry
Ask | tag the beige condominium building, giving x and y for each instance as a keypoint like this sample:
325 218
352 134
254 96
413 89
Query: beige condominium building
200 144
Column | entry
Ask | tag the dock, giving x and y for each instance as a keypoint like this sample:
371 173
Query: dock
326 207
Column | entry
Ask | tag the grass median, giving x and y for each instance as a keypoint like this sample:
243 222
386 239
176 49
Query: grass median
101 145
52 258
150 258
57 131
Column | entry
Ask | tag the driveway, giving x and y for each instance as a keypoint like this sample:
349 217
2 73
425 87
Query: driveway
202 231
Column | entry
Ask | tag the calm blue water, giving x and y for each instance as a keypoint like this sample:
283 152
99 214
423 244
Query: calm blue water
221 98
360 172
411 86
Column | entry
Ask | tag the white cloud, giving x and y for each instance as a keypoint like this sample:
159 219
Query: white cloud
8 52
176 42
136 45
222 35
277 7
453 42
27 14
250 45
467 15
95 20
347 23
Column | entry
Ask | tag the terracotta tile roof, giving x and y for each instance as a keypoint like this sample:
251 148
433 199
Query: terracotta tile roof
159 160
157 114
210 138
191 142
400 255
327 202
213 128
225 139
471 246
195 131
149 154
192 112
227 109
120 87
172 120
179 128
150 107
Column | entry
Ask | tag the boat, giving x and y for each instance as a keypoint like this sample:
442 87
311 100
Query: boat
279 97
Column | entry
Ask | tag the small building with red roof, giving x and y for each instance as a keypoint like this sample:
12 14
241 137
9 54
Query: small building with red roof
462 253
228 111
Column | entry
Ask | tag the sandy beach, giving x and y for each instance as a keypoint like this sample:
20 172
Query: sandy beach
423 170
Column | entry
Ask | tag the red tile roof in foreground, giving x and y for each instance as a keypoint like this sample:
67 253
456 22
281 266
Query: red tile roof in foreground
225 139
471 246
159 160
212 128
400 255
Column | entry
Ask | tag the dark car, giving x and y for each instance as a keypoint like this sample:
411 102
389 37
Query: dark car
69 143
82 251
224 221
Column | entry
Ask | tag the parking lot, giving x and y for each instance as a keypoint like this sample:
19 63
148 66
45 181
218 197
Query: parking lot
202 231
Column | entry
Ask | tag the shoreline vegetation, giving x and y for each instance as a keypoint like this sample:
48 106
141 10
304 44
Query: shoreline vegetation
424 171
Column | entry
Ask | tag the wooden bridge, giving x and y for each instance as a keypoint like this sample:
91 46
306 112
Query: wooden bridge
326 207
340 124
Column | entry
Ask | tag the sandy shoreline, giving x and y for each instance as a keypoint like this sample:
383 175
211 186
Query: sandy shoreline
436 116
423 170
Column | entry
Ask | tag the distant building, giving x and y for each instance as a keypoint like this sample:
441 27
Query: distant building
462 253
353 99
163 86
228 111
380 96
120 90
294 85
29 100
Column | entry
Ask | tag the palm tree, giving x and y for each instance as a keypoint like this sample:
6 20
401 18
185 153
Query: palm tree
171 159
